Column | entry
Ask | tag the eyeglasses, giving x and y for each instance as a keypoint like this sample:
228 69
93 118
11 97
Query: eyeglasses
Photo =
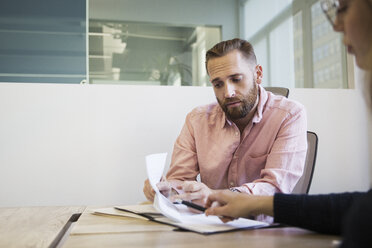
330 9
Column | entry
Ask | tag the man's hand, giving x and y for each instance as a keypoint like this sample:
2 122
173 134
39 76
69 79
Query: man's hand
193 191
230 205
163 186
148 191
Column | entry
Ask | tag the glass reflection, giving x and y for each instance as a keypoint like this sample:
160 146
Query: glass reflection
148 54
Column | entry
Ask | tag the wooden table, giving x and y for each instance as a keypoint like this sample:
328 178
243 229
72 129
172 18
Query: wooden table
105 231
34 226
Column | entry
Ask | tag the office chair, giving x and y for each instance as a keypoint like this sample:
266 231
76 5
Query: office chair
278 91
303 185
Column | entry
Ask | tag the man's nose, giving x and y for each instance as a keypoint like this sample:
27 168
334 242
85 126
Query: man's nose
229 91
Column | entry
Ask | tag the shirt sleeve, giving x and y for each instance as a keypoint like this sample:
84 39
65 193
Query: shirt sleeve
320 213
184 164
357 224
286 160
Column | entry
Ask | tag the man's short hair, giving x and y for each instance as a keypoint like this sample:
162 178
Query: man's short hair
224 47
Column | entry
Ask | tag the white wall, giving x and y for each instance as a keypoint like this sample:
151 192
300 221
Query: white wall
85 144
222 13
339 118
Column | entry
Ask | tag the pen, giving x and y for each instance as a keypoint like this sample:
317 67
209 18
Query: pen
190 204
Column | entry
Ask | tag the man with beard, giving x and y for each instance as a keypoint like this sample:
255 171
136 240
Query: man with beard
252 141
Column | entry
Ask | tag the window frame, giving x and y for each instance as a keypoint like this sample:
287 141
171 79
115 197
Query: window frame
303 6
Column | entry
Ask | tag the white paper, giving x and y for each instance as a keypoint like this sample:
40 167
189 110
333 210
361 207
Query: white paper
115 212
179 213
155 166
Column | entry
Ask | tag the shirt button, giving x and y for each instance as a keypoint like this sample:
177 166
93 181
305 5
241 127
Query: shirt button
231 183
236 133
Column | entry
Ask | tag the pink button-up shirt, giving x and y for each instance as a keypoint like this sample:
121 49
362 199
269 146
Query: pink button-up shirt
267 157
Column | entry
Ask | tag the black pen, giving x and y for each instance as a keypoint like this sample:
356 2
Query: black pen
190 204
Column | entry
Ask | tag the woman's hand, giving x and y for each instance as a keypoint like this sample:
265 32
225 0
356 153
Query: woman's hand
230 205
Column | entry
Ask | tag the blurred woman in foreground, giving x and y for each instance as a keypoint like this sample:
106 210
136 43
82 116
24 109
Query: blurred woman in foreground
349 214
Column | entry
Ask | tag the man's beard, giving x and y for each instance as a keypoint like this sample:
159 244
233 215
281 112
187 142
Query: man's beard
247 103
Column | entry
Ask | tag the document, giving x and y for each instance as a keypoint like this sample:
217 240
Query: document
177 215
144 212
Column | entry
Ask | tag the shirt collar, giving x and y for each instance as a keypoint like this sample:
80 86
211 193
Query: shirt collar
224 120
261 103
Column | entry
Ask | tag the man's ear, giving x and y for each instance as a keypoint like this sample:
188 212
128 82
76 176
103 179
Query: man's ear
258 74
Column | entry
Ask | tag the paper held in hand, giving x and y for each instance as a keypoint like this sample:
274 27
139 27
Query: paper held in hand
179 215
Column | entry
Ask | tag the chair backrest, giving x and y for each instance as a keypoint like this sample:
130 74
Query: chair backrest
303 185
278 91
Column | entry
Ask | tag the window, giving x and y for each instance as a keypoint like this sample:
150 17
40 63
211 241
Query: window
295 44
148 54
43 41
327 51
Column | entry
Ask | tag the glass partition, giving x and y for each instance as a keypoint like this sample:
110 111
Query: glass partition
143 53
43 41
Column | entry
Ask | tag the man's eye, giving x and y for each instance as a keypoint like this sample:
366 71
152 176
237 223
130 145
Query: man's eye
235 80
217 85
